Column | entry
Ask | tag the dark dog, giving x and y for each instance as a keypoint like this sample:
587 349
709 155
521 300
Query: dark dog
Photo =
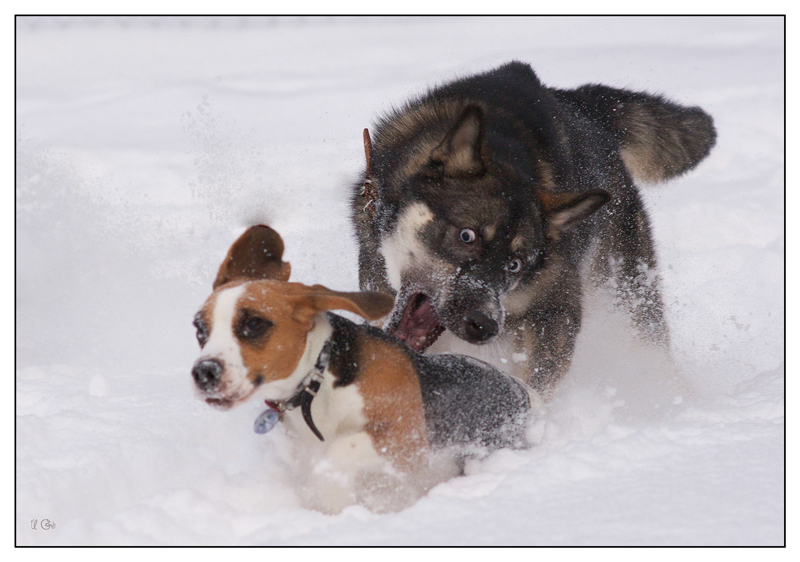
489 203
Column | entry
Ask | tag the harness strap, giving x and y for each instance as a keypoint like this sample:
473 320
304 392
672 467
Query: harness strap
305 406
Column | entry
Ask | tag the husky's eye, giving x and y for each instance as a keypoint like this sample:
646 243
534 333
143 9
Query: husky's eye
467 235
515 266
254 327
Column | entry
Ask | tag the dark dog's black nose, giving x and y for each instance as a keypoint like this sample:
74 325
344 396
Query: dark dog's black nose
207 373
480 327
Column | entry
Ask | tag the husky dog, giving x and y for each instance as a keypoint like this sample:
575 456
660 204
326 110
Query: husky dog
489 203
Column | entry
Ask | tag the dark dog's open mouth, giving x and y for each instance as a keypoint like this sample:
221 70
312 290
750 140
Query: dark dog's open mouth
420 324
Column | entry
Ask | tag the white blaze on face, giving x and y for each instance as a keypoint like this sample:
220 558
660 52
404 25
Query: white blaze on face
403 246
222 344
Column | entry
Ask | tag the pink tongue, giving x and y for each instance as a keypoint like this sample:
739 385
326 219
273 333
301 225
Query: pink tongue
420 327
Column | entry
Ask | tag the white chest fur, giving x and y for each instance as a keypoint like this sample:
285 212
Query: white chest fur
335 411
330 471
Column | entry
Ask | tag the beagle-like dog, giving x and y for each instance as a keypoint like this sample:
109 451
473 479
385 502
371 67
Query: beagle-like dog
372 419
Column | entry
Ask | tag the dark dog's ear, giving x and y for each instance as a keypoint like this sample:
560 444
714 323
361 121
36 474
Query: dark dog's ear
255 255
367 304
562 211
461 152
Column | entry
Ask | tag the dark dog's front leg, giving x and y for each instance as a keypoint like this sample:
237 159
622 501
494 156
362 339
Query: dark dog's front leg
626 257
372 274
372 271
544 340
637 290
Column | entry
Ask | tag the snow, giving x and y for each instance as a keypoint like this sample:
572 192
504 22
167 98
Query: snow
144 147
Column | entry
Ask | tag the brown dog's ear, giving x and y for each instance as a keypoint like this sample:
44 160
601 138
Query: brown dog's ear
562 211
255 255
367 304
461 151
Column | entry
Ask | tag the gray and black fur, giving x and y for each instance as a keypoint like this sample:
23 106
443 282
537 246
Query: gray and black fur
471 408
497 198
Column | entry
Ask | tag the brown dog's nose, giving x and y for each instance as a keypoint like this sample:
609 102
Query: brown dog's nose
207 373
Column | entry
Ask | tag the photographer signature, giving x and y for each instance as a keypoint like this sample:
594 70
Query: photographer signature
44 524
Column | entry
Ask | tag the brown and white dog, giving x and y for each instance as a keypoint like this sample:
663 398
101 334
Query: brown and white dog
367 414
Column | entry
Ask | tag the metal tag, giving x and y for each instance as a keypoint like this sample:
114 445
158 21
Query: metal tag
266 421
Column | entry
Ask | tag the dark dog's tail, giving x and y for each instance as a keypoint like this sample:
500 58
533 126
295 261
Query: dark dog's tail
658 139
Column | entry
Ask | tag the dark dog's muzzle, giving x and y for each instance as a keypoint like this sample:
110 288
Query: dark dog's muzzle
472 309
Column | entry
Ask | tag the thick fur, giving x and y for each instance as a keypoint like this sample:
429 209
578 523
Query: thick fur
497 199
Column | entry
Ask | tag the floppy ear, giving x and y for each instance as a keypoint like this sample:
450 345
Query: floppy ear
255 255
461 151
367 304
562 211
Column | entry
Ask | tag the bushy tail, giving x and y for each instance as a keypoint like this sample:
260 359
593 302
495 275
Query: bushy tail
658 139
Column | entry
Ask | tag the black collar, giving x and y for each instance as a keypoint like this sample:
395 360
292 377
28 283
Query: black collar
306 391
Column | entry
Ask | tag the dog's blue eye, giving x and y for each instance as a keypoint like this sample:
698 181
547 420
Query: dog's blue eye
515 266
467 235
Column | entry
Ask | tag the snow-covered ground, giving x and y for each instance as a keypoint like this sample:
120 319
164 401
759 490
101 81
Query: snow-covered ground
144 147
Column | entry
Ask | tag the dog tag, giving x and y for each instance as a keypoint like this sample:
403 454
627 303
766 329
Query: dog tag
267 420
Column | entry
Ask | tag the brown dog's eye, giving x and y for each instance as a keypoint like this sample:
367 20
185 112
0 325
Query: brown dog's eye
254 327
202 330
